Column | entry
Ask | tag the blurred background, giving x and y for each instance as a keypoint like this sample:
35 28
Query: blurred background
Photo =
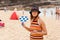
11 4
13 30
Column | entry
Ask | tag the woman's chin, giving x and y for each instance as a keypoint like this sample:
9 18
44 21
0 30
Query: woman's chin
34 16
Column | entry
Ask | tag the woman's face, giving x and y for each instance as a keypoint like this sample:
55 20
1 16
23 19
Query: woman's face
34 13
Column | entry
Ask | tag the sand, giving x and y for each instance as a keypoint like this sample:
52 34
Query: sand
13 29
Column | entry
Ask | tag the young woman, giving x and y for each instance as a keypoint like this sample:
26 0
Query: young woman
57 12
37 28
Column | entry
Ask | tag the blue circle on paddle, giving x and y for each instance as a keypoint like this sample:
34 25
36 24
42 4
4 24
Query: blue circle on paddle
23 18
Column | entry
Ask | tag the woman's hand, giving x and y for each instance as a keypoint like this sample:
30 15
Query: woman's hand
41 33
36 33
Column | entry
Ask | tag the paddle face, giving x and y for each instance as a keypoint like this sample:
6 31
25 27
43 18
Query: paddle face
23 18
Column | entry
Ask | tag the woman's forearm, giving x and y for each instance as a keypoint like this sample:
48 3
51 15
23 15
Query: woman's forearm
42 33
27 28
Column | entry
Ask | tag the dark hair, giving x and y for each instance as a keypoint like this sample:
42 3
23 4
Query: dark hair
0 20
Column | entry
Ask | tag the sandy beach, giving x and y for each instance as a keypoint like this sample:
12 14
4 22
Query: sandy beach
13 29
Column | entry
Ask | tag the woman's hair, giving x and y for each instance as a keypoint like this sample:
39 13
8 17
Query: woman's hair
0 20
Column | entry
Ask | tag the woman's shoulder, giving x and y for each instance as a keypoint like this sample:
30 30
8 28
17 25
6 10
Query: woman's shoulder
40 20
